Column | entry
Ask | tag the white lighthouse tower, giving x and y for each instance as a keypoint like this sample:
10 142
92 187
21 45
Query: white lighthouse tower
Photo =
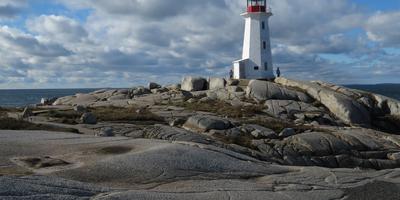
256 62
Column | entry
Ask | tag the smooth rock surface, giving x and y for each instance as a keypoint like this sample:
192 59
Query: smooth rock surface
264 90
206 123
343 107
190 84
216 83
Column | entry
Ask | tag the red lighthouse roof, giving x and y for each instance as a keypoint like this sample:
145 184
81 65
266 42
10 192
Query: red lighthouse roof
257 6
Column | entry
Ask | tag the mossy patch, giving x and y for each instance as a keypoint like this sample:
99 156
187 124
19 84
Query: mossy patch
14 124
120 114
14 171
223 108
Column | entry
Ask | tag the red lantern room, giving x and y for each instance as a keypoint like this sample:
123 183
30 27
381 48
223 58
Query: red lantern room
257 6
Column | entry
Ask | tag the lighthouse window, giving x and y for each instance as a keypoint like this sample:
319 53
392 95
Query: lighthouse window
264 45
266 66
263 25
256 68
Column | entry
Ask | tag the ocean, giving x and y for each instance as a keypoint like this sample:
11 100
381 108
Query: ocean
21 98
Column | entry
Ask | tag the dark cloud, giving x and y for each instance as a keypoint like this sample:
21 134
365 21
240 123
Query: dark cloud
11 8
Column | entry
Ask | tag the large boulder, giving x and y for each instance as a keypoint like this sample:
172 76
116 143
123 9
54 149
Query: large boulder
264 90
206 123
138 91
216 83
190 84
387 105
88 118
343 107
153 85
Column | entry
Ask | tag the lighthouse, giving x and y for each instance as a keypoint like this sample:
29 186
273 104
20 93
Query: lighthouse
256 62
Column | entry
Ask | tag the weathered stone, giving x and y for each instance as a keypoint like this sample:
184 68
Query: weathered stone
232 82
118 97
174 87
343 107
206 123
177 122
287 132
106 132
234 89
138 91
47 101
289 108
80 108
387 105
153 85
394 156
264 90
191 100
27 113
216 83
194 84
258 131
159 90
88 118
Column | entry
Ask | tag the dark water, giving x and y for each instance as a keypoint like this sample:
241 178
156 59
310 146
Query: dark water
20 98
390 90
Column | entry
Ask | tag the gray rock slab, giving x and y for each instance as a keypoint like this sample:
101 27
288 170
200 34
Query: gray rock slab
344 107
264 90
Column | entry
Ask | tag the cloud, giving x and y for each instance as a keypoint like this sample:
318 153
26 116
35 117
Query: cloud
57 28
15 40
384 28
128 42
11 8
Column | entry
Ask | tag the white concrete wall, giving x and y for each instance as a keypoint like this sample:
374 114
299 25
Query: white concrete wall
253 50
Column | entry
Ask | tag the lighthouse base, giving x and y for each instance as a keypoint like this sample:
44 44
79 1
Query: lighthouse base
246 69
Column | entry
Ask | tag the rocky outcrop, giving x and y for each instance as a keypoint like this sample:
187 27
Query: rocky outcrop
387 105
193 84
88 118
153 85
289 108
216 83
265 90
343 107
337 149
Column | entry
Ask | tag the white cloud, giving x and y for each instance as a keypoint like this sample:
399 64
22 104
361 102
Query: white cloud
57 28
384 28
127 42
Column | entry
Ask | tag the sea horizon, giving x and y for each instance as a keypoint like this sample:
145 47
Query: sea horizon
27 97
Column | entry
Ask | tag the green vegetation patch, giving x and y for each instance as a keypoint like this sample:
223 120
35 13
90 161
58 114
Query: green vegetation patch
223 108
63 116
14 124
120 114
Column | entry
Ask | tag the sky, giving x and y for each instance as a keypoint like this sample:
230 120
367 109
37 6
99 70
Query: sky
124 43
